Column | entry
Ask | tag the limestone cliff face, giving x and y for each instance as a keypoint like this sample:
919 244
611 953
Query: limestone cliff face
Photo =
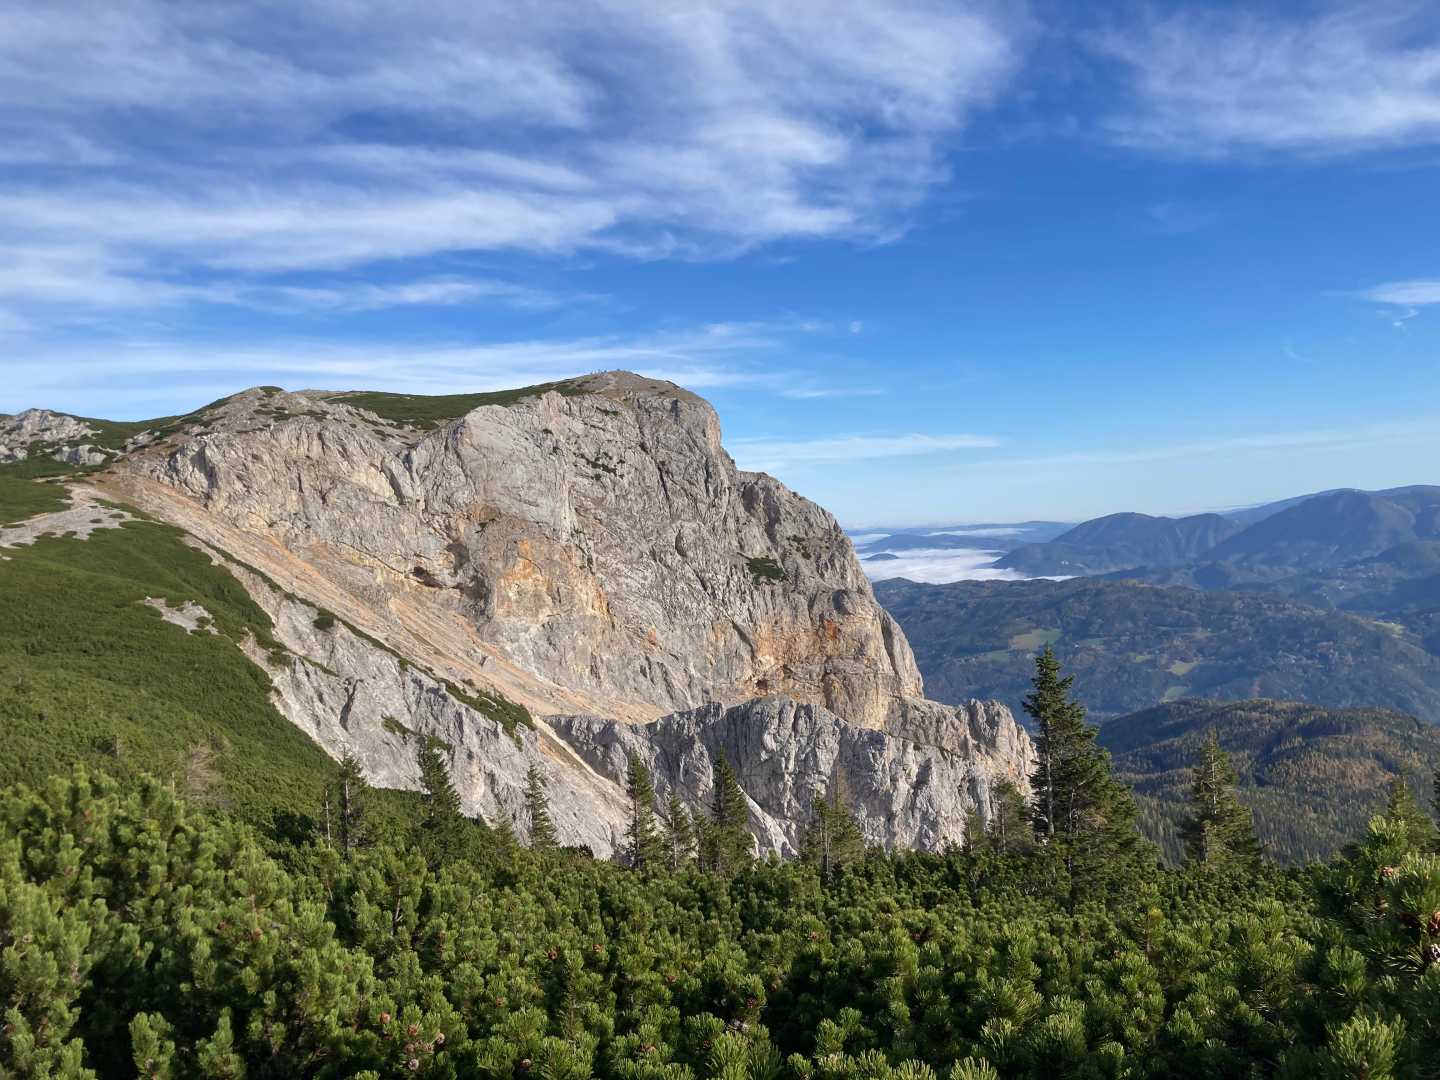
905 792
912 786
597 536
586 550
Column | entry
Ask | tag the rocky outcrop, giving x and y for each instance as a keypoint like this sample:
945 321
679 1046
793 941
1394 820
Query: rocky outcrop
51 429
905 792
914 789
595 534
587 550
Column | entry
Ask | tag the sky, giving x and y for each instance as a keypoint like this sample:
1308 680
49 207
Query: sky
932 262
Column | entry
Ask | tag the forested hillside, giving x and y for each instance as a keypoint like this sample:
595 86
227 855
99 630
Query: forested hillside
143 933
1312 776
1133 646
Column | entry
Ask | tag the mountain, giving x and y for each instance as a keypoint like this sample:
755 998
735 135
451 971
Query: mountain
1313 776
1327 530
1132 645
371 570
1257 546
1122 541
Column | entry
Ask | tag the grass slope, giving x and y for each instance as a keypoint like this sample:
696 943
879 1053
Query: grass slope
417 410
1313 776
27 488
90 673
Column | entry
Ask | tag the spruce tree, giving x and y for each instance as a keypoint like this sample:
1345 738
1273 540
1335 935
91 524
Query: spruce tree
679 833
832 839
726 842
1219 832
537 806
644 848
1008 831
1402 809
351 797
442 825
1079 810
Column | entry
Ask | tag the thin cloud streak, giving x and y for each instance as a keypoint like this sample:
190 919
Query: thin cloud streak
1239 447
1212 82
582 126
766 455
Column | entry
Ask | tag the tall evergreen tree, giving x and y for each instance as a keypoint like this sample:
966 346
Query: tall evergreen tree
833 838
726 842
351 798
537 805
1219 832
1402 809
442 825
679 833
644 848
1080 811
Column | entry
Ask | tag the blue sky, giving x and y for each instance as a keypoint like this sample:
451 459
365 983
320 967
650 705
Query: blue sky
932 262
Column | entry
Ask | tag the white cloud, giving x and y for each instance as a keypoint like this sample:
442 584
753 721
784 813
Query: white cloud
807 393
1217 81
938 566
116 379
82 279
235 139
1405 293
1238 448
771 454
994 530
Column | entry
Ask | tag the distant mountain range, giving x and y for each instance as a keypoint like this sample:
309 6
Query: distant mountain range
980 536
1312 533
1312 776
1132 645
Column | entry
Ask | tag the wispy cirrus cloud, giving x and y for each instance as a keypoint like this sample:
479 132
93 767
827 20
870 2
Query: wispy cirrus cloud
1405 293
1403 298
125 378
236 141
770 454
1241 447
1217 81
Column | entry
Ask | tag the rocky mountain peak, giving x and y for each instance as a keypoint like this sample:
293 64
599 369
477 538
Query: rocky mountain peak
557 575
593 532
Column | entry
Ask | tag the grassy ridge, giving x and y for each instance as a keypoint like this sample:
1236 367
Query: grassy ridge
89 672
429 411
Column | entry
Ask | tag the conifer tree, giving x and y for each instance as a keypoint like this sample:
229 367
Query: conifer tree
442 825
679 833
726 842
833 838
1078 807
1219 832
1402 809
644 848
537 806
351 797
1008 830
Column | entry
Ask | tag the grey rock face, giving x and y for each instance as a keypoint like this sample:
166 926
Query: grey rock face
904 792
589 550
909 790
600 538
18 432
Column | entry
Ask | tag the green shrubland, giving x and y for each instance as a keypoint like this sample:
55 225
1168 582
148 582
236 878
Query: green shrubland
146 933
